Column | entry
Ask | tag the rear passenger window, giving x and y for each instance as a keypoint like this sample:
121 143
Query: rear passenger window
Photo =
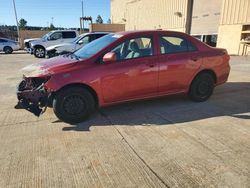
69 34
175 45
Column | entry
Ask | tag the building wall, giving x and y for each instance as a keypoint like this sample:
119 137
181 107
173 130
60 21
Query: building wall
225 17
234 14
206 19
148 14
107 27
229 38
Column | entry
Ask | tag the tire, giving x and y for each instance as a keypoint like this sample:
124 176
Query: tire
73 105
7 50
39 52
202 87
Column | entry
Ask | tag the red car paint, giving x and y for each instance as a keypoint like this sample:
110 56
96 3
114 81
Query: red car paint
139 78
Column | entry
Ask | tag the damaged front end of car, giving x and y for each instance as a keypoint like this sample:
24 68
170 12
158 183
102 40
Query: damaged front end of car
32 95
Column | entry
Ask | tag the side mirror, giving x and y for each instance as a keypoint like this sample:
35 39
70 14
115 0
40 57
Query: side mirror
80 42
109 57
48 38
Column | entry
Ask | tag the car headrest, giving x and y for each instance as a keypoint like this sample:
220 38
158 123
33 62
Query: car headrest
134 46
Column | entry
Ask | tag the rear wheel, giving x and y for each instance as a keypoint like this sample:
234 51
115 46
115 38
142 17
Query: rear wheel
202 87
39 52
7 50
73 105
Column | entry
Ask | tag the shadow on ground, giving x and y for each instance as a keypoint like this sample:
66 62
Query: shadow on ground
230 99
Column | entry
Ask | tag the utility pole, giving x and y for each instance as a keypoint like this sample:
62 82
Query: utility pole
189 16
18 34
82 15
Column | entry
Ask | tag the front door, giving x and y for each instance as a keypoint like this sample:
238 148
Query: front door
134 74
55 38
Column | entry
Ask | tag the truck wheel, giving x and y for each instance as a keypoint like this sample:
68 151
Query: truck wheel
202 87
7 50
73 104
39 52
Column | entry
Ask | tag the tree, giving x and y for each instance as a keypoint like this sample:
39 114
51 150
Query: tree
99 20
22 23
109 21
51 27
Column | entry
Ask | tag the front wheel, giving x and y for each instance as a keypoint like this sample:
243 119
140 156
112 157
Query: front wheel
202 87
73 104
39 52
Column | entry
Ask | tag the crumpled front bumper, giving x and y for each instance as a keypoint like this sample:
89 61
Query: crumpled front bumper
32 98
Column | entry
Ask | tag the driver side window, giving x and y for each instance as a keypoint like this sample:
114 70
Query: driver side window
84 40
56 36
134 48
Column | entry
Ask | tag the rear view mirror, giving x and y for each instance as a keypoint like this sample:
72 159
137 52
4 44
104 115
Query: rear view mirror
109 57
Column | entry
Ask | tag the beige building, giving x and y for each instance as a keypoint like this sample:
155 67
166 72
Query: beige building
149 14
225 19
234 28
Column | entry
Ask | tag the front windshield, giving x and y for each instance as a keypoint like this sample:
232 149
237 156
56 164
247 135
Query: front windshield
45 36
97 45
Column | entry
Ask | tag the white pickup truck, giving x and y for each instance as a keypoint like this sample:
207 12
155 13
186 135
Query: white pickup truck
37 46
69 47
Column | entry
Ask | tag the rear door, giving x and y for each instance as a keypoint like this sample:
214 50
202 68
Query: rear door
55 38
68 36
179 60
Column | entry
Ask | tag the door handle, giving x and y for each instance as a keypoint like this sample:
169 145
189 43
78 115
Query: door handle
195 59
151 65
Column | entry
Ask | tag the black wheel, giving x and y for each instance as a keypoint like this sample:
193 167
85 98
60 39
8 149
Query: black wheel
73 105
39 52
7 50
202 87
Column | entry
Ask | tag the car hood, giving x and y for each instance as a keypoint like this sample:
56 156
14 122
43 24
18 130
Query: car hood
60 45
28 40
38 41
48 67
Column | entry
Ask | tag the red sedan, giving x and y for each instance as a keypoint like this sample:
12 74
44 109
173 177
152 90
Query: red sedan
122 67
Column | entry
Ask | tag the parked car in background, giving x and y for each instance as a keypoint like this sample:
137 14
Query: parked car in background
38 46
122 67
79 42
8 46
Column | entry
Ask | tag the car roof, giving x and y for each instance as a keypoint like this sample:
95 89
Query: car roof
7 39
149 32
63 30
92 33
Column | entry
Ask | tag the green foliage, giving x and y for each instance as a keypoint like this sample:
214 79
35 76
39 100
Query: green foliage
22 23
99 20
51 27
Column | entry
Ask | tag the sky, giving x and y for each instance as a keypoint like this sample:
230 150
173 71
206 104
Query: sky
65 13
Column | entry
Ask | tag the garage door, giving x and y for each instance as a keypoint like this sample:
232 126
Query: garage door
206 17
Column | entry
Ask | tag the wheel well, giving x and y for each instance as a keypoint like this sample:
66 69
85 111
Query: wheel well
91 90
36 46
7 47
211 72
